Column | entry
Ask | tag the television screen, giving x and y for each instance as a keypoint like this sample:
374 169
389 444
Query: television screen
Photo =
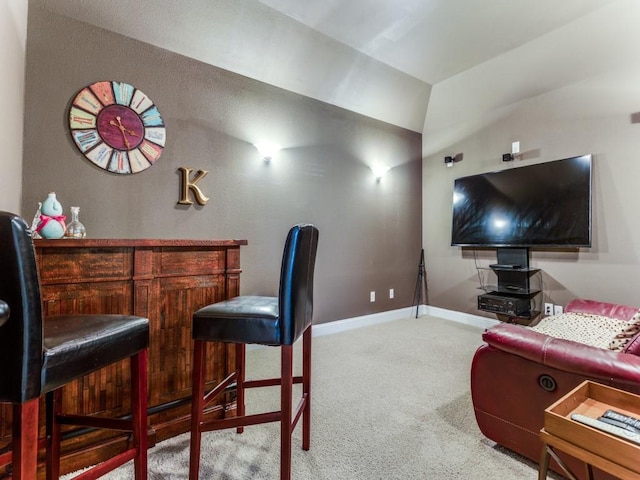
546 204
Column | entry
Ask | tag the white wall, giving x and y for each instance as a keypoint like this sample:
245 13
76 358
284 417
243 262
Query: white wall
13 39
572 92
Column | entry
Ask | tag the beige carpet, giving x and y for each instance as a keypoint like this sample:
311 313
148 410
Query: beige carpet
390 401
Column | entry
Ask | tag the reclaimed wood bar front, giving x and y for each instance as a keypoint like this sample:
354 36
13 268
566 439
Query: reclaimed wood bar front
163 280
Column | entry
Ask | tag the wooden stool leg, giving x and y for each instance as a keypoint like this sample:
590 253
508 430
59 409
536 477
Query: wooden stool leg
240 378
286 408
53 405
139 379
197 406
306 388
25 440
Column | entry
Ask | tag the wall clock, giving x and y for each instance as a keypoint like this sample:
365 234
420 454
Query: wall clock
116 127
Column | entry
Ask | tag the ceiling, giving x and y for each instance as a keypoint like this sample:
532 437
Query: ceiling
433 40
381 58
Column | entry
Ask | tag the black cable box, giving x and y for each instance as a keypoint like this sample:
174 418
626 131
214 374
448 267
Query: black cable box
506 266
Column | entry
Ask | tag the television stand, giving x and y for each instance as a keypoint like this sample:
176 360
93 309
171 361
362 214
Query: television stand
512 297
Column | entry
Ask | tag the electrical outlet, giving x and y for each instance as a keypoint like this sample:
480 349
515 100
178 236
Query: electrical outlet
391 293
557 309
372 296
548 309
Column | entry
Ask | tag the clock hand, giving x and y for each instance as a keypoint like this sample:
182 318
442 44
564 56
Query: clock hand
122 130
118 125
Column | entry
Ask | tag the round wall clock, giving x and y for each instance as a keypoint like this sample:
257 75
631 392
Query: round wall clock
117 127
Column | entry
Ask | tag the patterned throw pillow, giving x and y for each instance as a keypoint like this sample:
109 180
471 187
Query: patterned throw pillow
594 330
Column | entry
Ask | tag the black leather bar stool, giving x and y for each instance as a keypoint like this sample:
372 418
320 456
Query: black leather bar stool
275 321
39 357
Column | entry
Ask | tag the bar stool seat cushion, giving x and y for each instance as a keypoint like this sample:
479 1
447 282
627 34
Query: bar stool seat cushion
245 319
75 345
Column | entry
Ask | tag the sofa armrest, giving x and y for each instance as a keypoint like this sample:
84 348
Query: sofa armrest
604 309
564 355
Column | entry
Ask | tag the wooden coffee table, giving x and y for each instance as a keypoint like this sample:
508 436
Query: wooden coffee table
596 448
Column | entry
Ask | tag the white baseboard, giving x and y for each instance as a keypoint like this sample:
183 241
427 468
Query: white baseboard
338 326
475 320
363 321
376 318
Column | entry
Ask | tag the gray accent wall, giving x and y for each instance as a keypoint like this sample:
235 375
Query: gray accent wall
370 232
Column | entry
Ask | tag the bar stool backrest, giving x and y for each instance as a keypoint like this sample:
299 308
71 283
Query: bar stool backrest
296 282
21 335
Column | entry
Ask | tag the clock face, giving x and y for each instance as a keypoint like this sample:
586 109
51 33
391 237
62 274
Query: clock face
117 127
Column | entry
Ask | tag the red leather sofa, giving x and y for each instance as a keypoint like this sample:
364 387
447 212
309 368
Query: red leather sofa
518 373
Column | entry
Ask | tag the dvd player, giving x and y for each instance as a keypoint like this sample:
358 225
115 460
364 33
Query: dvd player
505 266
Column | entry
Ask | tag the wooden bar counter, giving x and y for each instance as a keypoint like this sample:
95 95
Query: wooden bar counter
163 280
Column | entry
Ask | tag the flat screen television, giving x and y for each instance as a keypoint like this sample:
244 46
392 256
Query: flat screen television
542 205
